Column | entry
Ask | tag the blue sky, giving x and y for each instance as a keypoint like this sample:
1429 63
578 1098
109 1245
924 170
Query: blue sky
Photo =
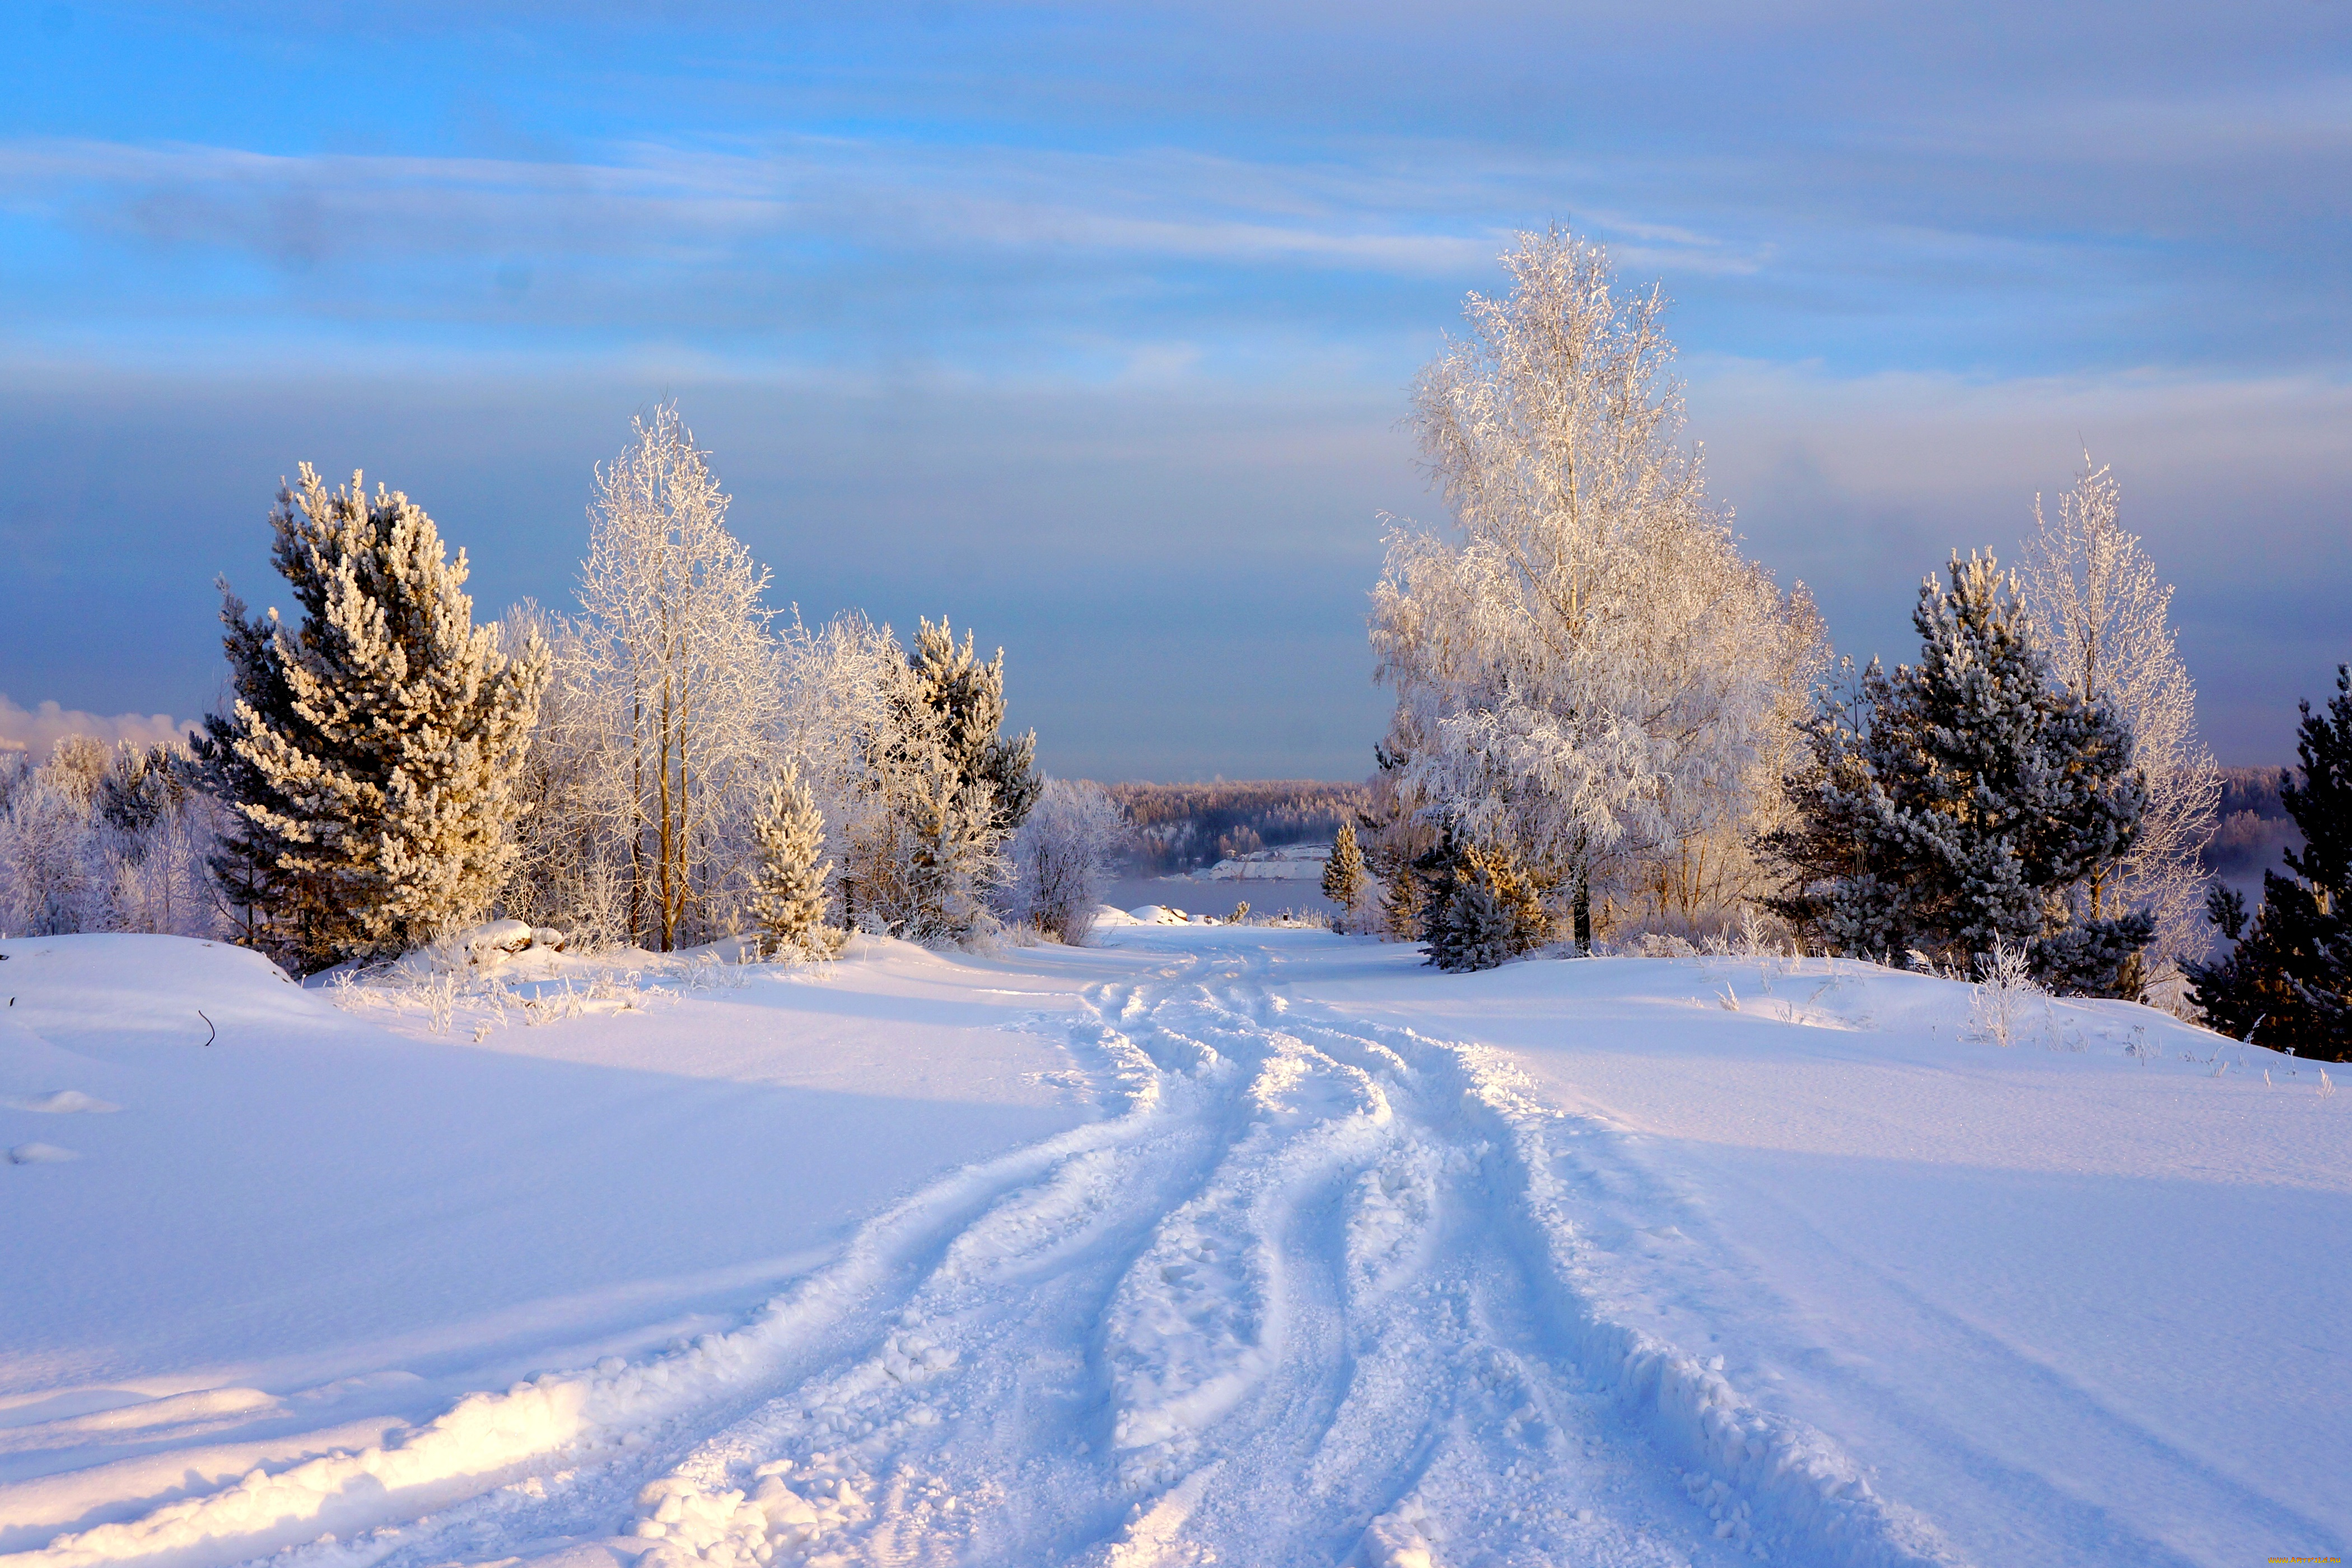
1091 326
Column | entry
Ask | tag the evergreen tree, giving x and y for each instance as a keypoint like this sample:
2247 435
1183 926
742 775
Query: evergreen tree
2288 980
371 750
1343 874
967 697
944 792
1480 908
1965 800
788 889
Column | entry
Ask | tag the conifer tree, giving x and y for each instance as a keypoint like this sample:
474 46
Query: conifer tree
1343 874
2288 982
1960 802
944 791
369 750
788 889
1480 908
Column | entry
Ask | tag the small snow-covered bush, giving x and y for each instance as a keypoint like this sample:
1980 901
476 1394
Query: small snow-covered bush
1998 1011
1062 859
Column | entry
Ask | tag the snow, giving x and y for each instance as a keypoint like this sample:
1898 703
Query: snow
1207 1243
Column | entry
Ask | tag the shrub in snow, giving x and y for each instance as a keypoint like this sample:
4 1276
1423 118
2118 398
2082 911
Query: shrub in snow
1590 673
2099 605
2289 976
1343 873
371 753
1481 908
788 897
2005 989
1955 806
1061 859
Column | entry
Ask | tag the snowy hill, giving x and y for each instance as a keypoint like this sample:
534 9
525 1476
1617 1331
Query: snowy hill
1211 1243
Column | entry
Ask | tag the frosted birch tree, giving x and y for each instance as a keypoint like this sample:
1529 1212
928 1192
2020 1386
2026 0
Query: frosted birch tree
1586 670
674 684
2104 617
1061 859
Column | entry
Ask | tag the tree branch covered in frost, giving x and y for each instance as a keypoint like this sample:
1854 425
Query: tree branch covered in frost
1588 668
2106 618
101 841
1062 859
371 749
671 691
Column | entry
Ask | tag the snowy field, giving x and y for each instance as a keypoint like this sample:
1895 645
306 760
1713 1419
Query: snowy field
1205 1245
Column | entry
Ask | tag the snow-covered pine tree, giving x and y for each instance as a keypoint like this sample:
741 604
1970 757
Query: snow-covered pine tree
1962 801
2288 980
1481 910
788 895
946 790
1343 873
372 748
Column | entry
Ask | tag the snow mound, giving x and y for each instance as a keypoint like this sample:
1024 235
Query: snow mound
1156 915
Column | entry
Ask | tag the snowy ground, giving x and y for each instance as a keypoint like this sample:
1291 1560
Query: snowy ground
1210 1244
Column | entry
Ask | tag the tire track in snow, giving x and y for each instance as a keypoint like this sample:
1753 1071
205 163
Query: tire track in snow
1311 1297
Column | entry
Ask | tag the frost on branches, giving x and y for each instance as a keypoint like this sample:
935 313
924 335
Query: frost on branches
789 898
670 692
1957 807
1343 873
2106 618
1061 859
372 751
1588 673
101 839
942 791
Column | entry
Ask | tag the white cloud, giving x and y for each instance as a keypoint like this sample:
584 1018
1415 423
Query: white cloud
38 728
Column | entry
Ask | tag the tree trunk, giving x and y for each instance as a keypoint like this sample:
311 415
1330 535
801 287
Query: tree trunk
1583 909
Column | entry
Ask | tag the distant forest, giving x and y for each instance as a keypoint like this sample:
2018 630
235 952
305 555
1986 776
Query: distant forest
2253 828
1179 827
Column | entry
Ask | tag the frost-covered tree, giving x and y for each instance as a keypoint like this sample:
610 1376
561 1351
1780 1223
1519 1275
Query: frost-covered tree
2287 982
943 791
371 749
1061 859
671 692
49 880
1586 670
2106 618
1960 804
100 841
1480 910
1343 873
154 833
789 898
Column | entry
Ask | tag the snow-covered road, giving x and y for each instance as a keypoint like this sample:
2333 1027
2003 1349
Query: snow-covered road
1320 1282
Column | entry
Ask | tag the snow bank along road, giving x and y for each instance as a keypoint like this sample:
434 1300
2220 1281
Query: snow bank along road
1319 1283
